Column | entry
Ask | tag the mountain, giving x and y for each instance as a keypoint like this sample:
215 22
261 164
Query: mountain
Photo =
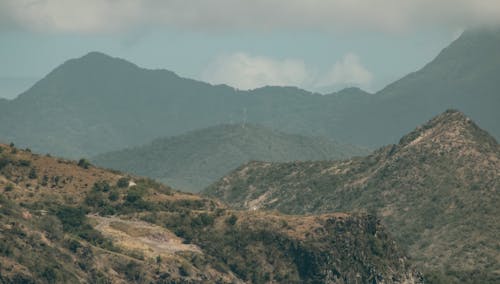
195 160
3 104
97 103
437 191
70 222
461 77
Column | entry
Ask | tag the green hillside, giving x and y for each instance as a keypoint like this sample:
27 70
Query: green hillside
437 191
68 222
195 160
97 103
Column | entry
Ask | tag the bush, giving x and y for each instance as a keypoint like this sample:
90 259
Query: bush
84 163
231 220
134 195
32 174
45 180
123 182
9 187
52 226
4 161
133 272
71 218
24 163
101 186
114 195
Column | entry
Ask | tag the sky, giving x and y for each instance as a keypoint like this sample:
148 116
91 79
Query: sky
318 45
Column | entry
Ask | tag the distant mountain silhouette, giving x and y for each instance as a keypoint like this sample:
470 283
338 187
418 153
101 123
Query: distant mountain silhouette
463 76
97 103
195 160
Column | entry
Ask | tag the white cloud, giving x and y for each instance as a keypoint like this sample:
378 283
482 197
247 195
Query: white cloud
245 71
97 16
348 71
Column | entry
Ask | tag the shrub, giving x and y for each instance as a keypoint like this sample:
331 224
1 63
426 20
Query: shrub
4 161
32 174
84 163
114 195
231 220
134 194
71 217
9 187
52 226
24 163
45 180
134 272
101 186
123 182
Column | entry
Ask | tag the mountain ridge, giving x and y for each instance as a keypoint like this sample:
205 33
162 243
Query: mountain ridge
66 222
194 160
436 190
97 109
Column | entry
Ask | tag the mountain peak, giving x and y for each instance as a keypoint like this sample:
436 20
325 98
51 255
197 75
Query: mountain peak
449 116
96 54
449 129
99 59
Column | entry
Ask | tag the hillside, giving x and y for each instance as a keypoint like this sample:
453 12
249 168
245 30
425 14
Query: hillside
70 222
437 191
97 103
462 76
195 160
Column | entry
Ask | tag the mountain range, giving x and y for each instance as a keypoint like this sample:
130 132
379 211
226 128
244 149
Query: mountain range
64 221
437 191
97 103
194 160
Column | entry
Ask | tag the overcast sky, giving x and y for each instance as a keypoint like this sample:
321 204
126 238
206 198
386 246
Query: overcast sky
319 45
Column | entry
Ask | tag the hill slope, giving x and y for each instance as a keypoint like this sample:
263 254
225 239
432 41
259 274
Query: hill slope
68 222
97 103
462 76
195 160
437 191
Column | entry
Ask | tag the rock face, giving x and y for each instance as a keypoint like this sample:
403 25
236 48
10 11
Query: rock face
68 222
193 161
437 191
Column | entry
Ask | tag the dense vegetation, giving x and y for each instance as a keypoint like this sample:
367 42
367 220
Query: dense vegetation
74 223
96 103
195 160
437 191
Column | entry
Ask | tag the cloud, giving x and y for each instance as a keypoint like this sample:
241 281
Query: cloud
348 71
79 16
245 71
105 16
